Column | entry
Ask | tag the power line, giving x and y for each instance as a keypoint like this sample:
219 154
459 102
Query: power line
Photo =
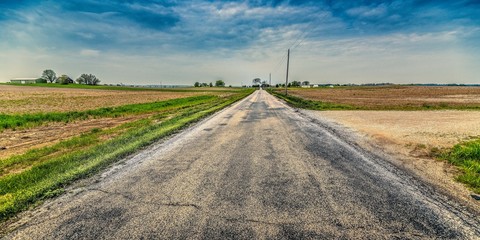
280 62
298 41
305 34
301 36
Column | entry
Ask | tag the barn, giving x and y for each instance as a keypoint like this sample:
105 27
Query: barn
23 80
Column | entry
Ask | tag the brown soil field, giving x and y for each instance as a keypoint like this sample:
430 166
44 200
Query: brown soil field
400 96
412 131
19 99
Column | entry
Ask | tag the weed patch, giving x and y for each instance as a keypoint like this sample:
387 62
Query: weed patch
467 157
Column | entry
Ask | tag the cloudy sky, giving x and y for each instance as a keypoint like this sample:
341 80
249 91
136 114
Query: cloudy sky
180 42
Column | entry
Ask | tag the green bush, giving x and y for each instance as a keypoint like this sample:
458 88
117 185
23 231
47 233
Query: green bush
467 157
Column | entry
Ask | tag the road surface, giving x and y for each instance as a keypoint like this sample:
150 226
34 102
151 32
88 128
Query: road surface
257 170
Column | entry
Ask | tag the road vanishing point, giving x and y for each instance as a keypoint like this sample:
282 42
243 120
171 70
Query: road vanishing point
258 169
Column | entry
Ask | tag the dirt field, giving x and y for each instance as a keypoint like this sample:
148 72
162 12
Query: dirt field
19 99
399 96
413 131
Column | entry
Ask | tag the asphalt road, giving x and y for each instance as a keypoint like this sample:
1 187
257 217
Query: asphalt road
257 170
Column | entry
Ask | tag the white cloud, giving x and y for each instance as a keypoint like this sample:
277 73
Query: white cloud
368 12
234 41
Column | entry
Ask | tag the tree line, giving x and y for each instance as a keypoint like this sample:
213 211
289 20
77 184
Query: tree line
49 76
218 83
294 84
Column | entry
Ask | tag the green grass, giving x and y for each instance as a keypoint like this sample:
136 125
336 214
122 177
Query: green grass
85 155
309 104
13 121
467 157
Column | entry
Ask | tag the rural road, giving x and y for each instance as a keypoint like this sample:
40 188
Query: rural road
256 170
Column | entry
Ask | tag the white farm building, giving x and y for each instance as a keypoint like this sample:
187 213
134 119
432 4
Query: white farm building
23 80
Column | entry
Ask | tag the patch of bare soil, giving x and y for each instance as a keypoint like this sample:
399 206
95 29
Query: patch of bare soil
20 141
412 135
19 99
396 96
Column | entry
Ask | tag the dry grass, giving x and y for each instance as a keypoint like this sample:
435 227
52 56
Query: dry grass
20 99
395 97
412 132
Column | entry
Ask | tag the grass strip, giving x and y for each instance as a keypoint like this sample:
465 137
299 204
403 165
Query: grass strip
21 191
467 157
33 156
13 121
309 104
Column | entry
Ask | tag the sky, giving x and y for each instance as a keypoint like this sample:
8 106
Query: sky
182 42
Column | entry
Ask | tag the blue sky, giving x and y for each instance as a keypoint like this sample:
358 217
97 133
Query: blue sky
180 42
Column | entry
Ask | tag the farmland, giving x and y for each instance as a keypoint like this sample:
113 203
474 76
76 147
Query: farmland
20 99
42 116
420 123
394 97
51 144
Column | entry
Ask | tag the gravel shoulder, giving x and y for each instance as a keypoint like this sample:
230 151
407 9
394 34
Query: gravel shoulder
410 136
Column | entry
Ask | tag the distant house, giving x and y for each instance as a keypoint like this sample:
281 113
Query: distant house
64 79
23 80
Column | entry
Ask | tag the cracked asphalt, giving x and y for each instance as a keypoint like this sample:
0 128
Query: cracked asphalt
256 170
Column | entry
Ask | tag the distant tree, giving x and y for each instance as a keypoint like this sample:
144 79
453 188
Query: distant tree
219 83
80 80
306 83
88 79
64 79
276 85
211 84
204 85
49 75
295 84
197 84
256 81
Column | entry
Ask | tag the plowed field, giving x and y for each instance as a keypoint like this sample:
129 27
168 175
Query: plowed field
396 97
31 99
19 99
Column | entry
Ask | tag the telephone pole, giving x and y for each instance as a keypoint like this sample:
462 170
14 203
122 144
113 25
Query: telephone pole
288 63
270 80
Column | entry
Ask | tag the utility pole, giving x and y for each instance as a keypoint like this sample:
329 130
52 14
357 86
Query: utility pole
270 81
286 79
